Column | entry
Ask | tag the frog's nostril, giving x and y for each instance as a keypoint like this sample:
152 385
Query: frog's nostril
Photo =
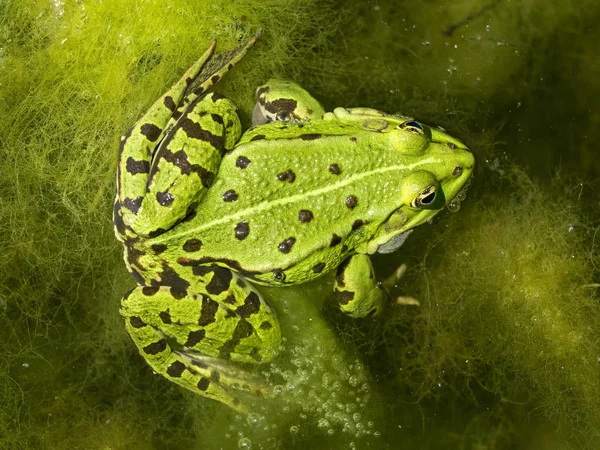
451 145
457 171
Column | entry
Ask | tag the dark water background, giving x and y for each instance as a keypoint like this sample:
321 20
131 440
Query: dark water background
502 353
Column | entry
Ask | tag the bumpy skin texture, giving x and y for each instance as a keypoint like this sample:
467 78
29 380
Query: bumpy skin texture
202 213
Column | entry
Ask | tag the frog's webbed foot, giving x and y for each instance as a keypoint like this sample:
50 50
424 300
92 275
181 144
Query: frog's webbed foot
389 285
194 340
359 294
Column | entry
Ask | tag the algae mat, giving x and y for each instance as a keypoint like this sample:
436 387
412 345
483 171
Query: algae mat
503 350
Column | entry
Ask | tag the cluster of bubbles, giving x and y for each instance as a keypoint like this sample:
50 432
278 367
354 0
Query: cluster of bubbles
454 204
311 394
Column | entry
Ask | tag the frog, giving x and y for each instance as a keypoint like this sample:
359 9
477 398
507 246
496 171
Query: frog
206 213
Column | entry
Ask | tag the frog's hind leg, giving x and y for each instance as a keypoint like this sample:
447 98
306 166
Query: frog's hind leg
173 136
193 340
357 292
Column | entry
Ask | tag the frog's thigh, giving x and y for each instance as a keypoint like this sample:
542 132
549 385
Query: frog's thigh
191 339
186 162
356 290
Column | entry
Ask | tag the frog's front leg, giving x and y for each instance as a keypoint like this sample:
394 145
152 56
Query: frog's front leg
356 290
192 337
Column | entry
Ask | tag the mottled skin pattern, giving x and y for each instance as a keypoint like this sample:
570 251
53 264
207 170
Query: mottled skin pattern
203 211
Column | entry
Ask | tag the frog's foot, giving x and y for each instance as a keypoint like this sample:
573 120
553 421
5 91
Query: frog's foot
357 292
389 285
284 101
193 340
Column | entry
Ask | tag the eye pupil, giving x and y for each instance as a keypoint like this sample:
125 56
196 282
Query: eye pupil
413 127
428 199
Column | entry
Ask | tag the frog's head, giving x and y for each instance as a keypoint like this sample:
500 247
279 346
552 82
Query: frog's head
437 168
281 100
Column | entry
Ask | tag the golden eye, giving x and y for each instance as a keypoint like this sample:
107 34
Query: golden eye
413 127
425 198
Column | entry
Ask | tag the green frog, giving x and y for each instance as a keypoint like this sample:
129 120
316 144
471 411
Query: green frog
205 212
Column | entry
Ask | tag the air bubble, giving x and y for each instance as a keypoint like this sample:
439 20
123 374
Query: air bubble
294 429
323 423
253 419
245 444
454 205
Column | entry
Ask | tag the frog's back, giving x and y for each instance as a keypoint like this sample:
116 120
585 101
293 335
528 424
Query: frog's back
287 210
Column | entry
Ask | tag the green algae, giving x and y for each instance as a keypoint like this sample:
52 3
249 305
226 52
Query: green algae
502 352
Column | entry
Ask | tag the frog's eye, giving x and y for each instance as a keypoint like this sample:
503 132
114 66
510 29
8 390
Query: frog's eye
426 198
413 127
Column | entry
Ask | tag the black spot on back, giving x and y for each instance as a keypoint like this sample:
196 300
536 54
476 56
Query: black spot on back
335 169
158 248
351 201
286 245
288 176
335 240
155 347
149 291
220 281
310 136
192 245
229 196
305 216
208 312
318 268
164 198
134 167
357 224
266 325
242 162
151 131
217 118
194 337
165 316
171 278
195 131
175 369
203 384
133 205
242 330
170 104
180 160
251 305
136 322
178 293
242 230
281 104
